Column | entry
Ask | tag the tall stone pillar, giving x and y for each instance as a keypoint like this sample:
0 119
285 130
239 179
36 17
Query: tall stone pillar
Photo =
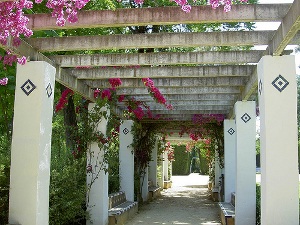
97 179
277 90
245 190
153 165
126 156
229 158
166 166
160 179
31 144
144 185
217 169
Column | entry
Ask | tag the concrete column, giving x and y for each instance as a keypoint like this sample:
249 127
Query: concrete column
126 160
144 185
31 144
229 158
97 179
217 169
166 166
277 90
245 190
153 165
160 180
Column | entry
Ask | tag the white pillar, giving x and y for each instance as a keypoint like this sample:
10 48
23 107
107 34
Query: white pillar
31 144
217 169
144 185
245 190
229 158
97 178
160 180
278 135
166 166
126 160
153 165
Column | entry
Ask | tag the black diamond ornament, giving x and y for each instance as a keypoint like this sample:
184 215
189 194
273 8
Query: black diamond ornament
125 131
231 131
28 87
49 90
280 83
246 118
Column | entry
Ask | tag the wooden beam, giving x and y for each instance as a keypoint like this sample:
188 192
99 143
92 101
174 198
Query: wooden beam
163 16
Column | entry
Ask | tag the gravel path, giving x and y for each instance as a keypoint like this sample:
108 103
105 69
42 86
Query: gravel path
187 202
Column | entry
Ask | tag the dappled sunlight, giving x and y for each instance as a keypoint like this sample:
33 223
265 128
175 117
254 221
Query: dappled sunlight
185 203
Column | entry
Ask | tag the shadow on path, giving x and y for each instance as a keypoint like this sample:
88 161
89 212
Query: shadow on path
187 202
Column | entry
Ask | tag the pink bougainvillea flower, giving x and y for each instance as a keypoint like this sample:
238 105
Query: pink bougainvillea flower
186 8
96 93
4 81
121 98
115 82
106 94
21 60
63 99
138 112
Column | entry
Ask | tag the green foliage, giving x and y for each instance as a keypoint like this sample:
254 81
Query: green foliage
4 178
258 197
181 165
67 192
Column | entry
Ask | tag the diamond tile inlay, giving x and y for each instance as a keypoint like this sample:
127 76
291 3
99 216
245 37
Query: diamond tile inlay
49 90
280 83
231 131
28 87
260 87
125 131
246 117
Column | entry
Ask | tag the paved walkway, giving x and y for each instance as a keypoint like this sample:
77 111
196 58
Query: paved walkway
187 202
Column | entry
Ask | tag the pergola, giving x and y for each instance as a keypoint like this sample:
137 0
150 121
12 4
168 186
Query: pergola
206 82
197 82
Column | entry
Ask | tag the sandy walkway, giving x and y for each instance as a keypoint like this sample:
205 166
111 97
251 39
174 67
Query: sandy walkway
187 202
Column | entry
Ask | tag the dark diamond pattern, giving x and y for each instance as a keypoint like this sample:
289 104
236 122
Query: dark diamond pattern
280 83
49 90
231 131
246 118
28 87
125 131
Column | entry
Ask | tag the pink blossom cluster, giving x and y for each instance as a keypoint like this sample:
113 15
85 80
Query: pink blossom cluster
108 92
4 81
13 22
63 99
135 107
60 7
227 4
105 93
115 82
170 151
157 95
184 5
